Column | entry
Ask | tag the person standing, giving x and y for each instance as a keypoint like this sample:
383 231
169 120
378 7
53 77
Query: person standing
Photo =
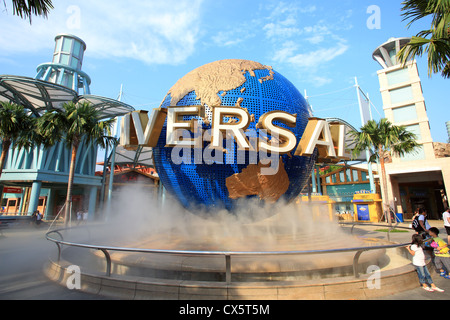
446 218
419 262
441 253
38 217
420 222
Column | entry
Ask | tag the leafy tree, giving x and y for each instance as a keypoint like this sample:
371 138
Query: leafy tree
434 41
17 128
72 124
384 138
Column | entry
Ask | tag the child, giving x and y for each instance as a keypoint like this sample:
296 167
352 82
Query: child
441 253
419 262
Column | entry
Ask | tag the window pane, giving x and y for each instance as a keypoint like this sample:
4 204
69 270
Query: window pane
64 59
364 175
58 45
348 173
405 113
68 79
415 129
67 45
74 63
399 76
401 95
418 155
355 175
392 55
76 49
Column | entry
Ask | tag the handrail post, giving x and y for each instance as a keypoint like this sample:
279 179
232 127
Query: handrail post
355 263
108 261
59 251
228 268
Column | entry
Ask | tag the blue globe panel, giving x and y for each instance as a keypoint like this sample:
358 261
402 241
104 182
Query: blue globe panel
204 185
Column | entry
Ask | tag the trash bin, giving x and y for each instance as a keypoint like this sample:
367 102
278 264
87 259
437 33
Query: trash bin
399 217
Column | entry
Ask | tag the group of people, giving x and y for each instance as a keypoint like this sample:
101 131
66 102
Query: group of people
36 217
82 216
427 238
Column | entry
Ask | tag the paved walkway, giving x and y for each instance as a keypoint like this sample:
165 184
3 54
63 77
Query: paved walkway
24 251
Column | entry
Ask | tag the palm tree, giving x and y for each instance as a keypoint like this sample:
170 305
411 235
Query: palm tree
434 41
77 121
27 8
383 138
17 128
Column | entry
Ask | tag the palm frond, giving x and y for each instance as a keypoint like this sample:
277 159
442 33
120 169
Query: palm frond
435 41
25 9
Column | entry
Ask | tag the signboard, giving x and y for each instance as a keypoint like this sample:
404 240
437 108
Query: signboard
12 190
363 212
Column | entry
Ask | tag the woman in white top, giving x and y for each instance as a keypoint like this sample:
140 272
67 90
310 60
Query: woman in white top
421 266
446 218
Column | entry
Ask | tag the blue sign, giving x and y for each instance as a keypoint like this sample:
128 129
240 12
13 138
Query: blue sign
363 212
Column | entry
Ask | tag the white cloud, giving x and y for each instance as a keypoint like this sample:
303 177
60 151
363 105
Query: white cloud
233 36
282 29
155 32
316 58
320 80
302 42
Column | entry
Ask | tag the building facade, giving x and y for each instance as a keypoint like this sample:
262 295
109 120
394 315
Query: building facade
37 179
420 179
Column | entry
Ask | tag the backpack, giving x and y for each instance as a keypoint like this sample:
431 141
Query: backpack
416 225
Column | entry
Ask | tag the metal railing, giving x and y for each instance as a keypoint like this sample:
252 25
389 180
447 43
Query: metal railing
226 254
389 228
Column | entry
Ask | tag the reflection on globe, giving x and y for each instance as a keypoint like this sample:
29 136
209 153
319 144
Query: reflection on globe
234 175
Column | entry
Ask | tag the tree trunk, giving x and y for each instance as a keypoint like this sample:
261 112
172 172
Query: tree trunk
68 208
385 189
5 149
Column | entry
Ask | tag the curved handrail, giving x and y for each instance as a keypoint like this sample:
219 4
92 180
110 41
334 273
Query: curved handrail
226 254
390 228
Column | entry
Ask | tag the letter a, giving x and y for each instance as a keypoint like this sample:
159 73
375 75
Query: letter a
317 134
374 21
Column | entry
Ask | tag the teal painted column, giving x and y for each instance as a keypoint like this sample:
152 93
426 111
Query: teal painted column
34 197
92 202
49 207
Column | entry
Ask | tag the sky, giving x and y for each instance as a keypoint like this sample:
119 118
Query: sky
146 46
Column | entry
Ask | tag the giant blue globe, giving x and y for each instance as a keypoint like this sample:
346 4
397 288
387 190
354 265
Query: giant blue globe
225 184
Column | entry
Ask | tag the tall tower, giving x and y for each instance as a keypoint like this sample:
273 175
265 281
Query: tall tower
403 100
420 179
65 68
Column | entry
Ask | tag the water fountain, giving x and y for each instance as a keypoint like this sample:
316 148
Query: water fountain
238 232
184 256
